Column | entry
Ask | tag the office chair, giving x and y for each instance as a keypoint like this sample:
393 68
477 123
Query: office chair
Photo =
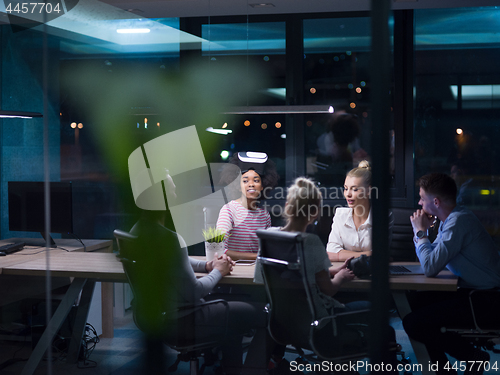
149 287
484 333
329 337
402 248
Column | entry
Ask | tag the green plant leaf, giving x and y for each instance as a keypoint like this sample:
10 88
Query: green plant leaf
213 234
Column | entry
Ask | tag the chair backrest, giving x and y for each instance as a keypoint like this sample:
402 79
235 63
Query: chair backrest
290 316
297 314
146 274
292 299
402 247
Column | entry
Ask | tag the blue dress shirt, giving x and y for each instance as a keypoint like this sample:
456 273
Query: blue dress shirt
465 248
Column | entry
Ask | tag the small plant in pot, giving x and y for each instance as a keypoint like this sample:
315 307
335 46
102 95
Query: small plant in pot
214 242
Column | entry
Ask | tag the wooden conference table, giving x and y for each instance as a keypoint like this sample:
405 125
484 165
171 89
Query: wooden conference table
88 267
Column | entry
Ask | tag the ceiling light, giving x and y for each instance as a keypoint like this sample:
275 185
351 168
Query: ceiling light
252 157
262 5
219 131
132 31
279 109
19 114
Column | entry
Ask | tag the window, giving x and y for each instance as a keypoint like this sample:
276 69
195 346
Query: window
457 104
336 73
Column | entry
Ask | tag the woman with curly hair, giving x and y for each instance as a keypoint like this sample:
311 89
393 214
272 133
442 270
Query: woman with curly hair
241 217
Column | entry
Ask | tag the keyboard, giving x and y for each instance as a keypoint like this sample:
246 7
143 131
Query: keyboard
12 247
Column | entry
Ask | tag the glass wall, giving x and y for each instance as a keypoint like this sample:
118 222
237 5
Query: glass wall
457 104
257 49
336 73
109 94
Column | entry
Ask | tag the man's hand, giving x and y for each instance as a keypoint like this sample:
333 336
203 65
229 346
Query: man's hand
421 220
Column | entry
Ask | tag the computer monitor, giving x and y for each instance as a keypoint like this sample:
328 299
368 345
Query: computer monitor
27 208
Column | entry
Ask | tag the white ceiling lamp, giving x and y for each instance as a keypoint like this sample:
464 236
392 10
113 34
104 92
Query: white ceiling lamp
262 5
280 109
19 114
219 131
252 157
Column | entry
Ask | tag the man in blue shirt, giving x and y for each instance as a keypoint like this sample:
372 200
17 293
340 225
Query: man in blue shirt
465 248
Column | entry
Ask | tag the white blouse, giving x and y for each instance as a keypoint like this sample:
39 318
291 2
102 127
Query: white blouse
345 236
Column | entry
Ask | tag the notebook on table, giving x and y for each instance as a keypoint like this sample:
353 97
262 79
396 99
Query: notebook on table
413 269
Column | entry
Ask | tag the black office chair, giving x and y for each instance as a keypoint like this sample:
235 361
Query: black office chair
485 333
329 337
146 276
402 247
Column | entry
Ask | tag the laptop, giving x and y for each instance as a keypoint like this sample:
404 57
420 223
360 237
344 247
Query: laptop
414 269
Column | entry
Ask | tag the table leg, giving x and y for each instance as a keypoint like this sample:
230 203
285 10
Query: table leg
80 322
54 324
107 292
418 348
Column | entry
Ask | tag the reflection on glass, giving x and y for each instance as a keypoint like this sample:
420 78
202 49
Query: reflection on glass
336 71
457 104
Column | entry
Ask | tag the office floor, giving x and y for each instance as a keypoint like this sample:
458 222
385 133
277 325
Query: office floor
125 354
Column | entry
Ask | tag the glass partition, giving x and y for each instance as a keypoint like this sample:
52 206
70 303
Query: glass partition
336 73
457 104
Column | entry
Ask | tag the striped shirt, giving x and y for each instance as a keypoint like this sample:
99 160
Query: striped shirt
241 224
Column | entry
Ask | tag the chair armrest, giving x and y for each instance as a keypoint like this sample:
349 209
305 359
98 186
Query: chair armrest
333 317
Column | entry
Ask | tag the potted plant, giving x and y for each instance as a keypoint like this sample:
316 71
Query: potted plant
214 242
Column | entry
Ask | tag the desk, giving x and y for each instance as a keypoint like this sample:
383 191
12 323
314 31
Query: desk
85 268
444 282
66 245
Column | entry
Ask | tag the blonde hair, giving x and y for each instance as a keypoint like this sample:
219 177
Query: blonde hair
303 200
363 170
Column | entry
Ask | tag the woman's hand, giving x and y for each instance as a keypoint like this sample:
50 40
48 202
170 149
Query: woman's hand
335 270
209 266
344 275
222 263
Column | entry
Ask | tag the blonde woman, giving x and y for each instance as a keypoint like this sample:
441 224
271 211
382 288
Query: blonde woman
351 234
303 205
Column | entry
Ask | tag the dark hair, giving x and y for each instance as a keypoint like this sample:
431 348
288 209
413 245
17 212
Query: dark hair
267 172
345 128
440 185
